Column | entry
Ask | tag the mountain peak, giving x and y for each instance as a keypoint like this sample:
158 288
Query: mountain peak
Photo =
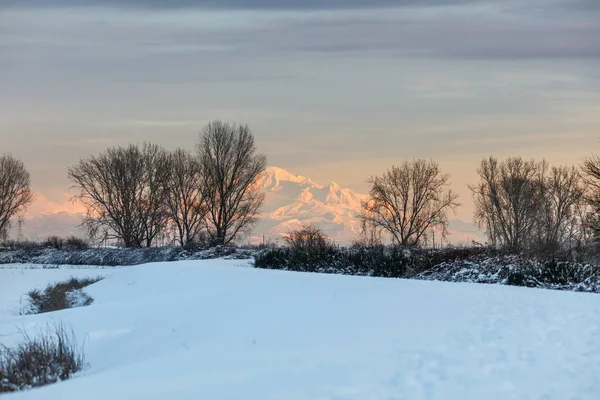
281 174
275 175
334 186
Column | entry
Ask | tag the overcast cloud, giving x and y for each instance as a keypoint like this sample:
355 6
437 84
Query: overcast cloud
335 90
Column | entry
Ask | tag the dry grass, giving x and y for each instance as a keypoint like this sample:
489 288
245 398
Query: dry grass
51 357
60 296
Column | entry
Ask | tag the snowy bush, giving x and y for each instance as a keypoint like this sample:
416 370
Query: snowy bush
51 357
474 264
384 261
36 254
519 271
376 261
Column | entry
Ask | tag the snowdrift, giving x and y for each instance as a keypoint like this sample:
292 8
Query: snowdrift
216 329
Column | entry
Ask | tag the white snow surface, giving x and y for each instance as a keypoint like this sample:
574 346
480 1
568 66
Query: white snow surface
212 330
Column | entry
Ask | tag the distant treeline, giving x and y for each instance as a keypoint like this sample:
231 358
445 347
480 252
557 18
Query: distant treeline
140 194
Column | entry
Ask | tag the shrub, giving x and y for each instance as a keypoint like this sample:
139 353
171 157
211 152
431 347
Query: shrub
60 296
426 259
554 274
75 243
309 239
112 257
54 242
199 243
376 261
517 278
48 358
21 245
72 243
371 259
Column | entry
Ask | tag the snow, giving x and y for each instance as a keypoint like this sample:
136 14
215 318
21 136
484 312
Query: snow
274 176
212 330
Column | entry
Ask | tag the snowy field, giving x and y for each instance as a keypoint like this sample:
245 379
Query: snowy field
212 330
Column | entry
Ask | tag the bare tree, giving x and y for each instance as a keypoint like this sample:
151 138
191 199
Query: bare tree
591 173
369 237
186 196
561 193
15 191
581 227
152 206
124 192
409 201
232 170
507 200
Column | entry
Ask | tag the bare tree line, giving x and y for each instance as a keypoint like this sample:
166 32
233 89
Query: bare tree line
139 193
525 203
521 204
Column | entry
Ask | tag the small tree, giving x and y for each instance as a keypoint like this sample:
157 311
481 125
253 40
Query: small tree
309 239
409 201
124 192
15 191
186 196
231 169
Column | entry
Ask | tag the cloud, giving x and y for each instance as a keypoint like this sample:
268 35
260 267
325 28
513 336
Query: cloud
58 203
239 4
40 227
358 84
584 6
483 30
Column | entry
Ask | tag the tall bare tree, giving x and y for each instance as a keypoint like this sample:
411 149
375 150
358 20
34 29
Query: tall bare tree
409 201
124 192
15 191
232 169
152 207
560 196
582 225
507 200
591 173
186 196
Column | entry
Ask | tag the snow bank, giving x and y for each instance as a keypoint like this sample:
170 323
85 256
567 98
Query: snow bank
212 330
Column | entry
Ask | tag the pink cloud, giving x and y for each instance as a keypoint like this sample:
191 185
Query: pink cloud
60 203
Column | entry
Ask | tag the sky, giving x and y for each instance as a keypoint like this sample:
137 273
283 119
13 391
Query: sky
335 90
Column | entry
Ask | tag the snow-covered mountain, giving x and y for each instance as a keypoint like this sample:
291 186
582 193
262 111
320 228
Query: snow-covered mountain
293 200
